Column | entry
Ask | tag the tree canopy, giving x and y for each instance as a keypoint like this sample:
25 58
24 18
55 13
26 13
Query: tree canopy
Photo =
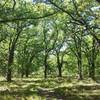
51 36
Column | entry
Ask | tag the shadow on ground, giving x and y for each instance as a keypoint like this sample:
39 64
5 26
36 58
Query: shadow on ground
49 89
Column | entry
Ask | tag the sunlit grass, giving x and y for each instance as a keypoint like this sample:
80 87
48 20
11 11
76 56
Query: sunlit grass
51 88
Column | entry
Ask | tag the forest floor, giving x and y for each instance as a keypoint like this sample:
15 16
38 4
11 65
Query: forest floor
49 89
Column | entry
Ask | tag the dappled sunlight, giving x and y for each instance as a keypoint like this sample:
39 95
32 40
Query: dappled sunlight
49 50
32 88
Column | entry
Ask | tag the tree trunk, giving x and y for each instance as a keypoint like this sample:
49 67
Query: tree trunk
80 69
11 55
89 66
79 58
9 75
92 71
60 70
10 61
78 54
22 73
93 57
27 73
27 70
46 67
59 63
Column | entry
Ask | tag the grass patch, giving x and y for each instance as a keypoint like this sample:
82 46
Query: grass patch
51 88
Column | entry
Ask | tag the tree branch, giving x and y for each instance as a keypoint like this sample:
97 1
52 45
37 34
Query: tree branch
26 18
